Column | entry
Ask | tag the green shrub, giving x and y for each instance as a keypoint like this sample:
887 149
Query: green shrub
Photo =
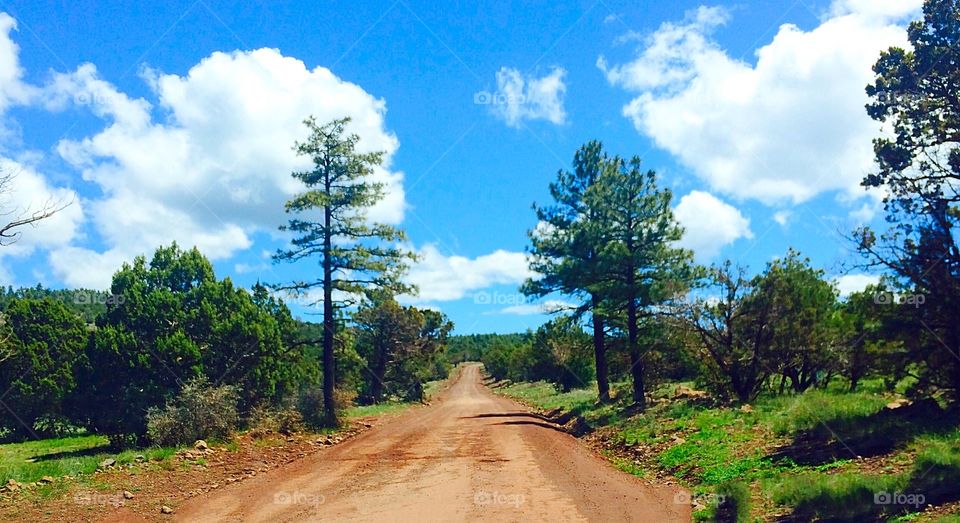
199 411
265 419
53 426
310 407
497 360
289 420
174 320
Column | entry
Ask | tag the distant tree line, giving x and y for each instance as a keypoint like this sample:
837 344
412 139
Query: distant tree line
472 347
87 303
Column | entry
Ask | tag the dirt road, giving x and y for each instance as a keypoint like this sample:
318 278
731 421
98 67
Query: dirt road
470 456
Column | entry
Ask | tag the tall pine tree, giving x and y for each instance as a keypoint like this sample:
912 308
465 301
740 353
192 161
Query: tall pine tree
565 248
330 225
639 266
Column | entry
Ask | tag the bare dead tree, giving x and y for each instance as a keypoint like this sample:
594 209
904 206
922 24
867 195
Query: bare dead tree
21 217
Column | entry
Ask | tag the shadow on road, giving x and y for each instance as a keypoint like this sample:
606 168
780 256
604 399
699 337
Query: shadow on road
509 415
541 420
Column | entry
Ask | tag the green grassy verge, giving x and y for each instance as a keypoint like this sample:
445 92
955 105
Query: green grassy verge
781 455
74 456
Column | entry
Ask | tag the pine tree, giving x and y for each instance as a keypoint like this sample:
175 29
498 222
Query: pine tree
351 251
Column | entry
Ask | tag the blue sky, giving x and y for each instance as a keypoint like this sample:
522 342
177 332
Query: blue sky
173 121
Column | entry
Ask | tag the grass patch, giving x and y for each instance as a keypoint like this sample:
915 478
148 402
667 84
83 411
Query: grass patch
77 455
582 402
933 479
936 472
378 409
840 497
717 450
545 396
628 466
812 410
430 389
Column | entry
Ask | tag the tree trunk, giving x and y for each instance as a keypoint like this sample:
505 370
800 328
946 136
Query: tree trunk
745 395
329 374
856 365
741 386
636 361
600 353
379 373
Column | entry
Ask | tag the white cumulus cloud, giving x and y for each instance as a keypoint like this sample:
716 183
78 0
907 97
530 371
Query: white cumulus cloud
520 97
213 167
782 217
26 190
13 90
709 224
851 283
205 160
885 9
447 278
784 128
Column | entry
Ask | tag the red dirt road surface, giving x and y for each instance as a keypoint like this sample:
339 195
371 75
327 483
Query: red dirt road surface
470 456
